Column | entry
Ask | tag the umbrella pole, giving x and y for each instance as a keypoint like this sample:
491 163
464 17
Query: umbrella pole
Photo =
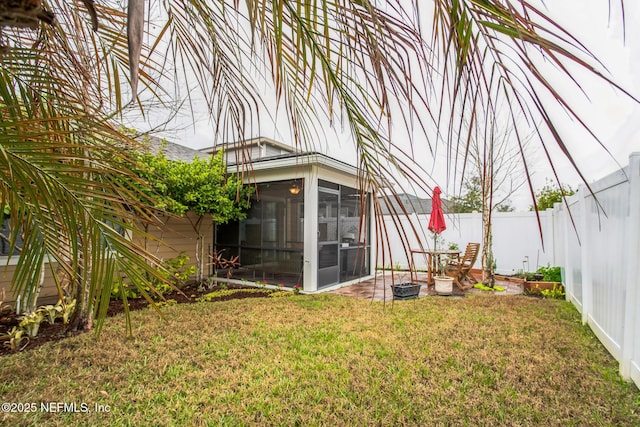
433 267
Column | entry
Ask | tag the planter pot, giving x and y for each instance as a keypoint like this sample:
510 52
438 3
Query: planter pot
535 287
444 285
406 290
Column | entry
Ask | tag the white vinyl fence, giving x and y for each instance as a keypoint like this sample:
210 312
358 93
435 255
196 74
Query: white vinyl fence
602 261
516 239
596 242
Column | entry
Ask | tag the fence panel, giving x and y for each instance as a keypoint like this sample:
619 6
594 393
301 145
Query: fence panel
572 218
630 361
608 215
602 262
517 244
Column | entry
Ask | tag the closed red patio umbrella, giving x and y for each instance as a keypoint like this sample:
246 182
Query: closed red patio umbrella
436 225
436 221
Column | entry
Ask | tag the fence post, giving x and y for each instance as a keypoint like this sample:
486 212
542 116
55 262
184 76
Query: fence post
585 265
632 296
552 234
560 234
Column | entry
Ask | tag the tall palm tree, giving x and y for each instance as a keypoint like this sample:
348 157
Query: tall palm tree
370 66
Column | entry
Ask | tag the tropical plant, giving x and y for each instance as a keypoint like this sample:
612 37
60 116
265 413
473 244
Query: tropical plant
64 91
57 178
51 312
69 308
178 269
31 323
14 338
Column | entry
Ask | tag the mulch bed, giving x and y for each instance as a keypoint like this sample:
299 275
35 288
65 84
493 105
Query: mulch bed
59 331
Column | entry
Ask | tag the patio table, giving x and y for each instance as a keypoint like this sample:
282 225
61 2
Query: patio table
433 261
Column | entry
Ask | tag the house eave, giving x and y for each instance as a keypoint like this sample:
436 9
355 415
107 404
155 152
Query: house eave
296 160
259 141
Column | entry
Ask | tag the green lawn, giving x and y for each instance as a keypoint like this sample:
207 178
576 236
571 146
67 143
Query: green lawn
329 360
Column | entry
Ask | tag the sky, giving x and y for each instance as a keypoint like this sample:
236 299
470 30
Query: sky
615 118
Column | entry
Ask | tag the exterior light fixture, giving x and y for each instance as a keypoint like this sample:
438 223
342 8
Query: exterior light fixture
294 189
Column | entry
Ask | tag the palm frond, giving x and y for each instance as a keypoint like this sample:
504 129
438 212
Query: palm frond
363 65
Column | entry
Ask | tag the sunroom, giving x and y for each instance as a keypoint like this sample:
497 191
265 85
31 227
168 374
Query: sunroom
309 223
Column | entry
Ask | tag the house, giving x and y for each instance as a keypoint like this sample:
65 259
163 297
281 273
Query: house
48 291
303 227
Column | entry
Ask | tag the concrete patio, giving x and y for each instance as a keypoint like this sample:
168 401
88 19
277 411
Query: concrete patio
379 288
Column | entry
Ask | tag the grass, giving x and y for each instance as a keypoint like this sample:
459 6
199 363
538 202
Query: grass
330 360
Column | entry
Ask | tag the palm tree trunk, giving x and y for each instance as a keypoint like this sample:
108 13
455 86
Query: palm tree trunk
82 318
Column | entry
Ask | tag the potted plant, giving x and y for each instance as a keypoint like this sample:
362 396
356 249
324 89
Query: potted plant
443 283
546 278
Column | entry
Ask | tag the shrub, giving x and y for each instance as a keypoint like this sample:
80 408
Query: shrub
121 289
224 292
556 292
176 272
550 274
178 269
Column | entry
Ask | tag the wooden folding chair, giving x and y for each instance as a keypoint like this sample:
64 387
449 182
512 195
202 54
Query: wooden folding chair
460 270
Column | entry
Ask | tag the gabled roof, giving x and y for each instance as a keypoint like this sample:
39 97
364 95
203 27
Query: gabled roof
172 150
412 204
288 157
265 153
